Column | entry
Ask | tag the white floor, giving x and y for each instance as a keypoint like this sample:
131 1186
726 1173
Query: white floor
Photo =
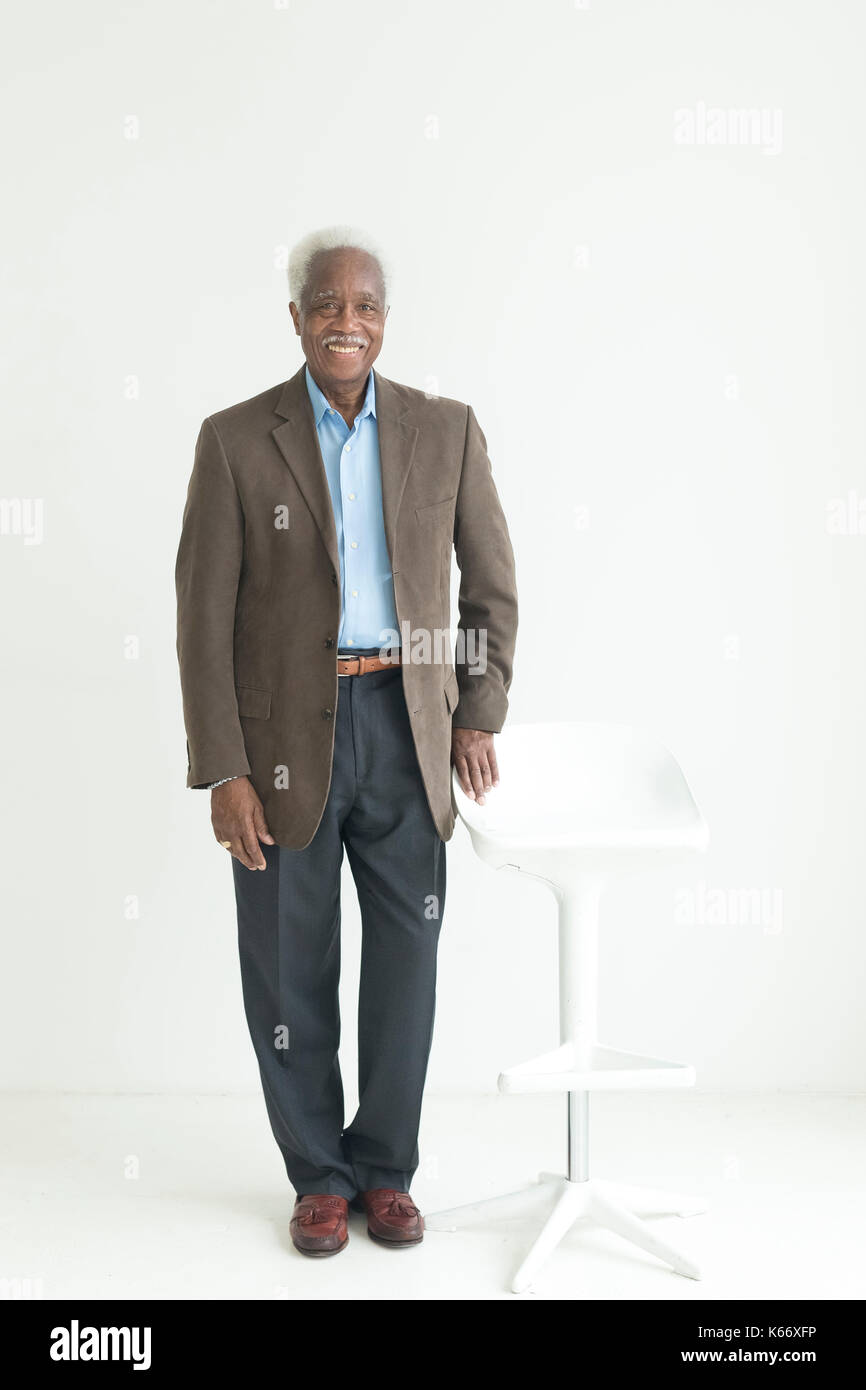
185 1197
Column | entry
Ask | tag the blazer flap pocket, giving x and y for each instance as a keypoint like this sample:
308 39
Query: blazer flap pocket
434 511
452 692
253 703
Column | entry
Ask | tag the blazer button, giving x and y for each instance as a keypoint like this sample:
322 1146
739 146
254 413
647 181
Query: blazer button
329 641
333 579
327 714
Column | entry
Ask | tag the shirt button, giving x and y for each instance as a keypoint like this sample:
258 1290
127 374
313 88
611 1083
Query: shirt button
354 545
348 448
351 496
354 593
351 642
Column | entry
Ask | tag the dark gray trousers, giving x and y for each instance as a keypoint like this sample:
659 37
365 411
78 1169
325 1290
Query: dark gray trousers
289 942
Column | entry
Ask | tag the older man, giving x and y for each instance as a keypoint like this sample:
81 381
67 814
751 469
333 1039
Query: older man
324 710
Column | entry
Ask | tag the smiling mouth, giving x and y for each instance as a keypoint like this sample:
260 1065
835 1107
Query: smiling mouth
345 349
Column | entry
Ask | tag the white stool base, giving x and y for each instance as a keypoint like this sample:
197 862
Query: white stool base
612 1205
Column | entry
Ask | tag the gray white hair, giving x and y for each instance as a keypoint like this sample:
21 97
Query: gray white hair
331 239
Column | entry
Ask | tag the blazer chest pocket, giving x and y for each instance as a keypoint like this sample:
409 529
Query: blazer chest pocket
432 513
253 703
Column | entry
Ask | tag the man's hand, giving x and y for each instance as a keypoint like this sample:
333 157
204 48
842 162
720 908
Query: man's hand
237 815
473 756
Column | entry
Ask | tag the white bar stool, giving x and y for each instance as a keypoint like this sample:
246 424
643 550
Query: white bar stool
618 802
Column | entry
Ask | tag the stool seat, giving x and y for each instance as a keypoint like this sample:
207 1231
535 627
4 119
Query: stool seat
582 789
577 804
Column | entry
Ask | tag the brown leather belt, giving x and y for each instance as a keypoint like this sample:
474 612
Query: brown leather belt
363 665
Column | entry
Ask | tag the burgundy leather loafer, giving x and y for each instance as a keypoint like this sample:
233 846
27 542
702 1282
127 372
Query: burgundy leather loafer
320 1224
392 1217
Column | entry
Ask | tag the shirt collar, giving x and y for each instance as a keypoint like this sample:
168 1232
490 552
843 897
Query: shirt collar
321 404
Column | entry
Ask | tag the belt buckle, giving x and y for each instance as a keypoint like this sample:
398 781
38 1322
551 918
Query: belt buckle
362 657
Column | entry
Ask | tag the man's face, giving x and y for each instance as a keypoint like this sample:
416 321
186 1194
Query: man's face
342 319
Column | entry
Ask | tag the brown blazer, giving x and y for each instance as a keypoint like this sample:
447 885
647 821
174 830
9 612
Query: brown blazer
258 596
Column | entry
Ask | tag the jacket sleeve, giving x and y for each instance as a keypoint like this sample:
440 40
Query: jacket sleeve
207 571
487 624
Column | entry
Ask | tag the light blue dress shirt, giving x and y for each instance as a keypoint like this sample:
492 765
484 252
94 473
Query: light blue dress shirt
368 614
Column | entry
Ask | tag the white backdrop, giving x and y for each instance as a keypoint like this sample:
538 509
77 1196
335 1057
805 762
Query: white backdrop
655 309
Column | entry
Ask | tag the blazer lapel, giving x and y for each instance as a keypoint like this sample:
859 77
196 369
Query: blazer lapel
397 440
298 443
